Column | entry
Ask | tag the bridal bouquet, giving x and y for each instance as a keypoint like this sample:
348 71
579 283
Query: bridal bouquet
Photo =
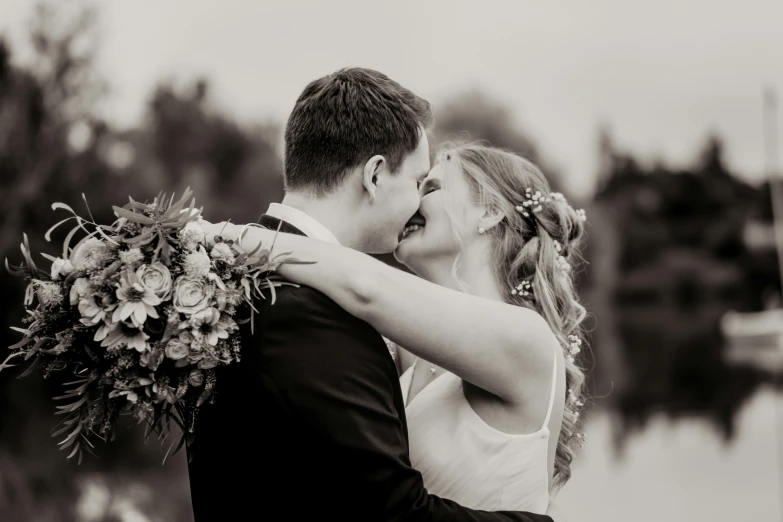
139 313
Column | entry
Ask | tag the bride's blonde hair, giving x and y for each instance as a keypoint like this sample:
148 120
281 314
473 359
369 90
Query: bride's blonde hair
526 252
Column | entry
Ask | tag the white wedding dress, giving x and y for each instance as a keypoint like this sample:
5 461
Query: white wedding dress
464 459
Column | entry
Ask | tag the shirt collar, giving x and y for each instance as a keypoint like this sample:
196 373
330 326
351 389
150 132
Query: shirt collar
307 224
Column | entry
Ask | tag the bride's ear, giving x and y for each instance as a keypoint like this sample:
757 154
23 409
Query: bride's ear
372 169
490 219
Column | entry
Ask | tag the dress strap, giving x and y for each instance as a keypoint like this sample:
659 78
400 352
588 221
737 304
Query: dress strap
409 383
413 374
551 393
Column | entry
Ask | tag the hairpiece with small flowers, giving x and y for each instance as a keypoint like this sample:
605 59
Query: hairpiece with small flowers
533 203
574 400
574 347
523 289
562 263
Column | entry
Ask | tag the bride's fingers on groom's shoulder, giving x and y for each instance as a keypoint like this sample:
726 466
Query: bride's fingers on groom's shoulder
211 230
214 230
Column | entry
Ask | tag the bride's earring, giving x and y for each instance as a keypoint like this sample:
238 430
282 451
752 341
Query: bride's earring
481 230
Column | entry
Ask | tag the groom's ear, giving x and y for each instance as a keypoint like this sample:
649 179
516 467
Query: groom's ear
372 169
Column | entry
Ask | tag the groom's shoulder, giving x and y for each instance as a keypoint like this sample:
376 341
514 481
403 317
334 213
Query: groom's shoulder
303 311
290 297
302 301
304 318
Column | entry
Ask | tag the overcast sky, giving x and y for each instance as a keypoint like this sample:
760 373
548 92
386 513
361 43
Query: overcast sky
662 74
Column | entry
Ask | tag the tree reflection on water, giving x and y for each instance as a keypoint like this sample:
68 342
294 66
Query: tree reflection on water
668 259
675 366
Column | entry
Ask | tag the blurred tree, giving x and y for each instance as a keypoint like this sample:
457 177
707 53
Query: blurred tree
682 263
39 108
235 172
43 108
473 116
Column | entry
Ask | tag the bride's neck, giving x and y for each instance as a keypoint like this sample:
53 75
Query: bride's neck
475 273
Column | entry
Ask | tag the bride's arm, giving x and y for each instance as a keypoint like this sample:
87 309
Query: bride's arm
501 348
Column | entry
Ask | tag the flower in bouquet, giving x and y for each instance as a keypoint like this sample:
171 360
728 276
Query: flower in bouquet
157 278
196 378
192 235
79 289
208 361
197 264
228 297
61 268
96 307
191 295
50 293
131 258
136 300
152 358
126 335
206 325
90 254
176 349
222 252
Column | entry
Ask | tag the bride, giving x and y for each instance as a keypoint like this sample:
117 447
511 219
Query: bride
491 325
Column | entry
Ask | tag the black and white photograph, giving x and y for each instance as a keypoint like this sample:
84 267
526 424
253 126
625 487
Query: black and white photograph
412 261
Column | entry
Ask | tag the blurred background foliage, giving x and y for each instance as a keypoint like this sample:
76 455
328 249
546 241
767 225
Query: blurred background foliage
668 253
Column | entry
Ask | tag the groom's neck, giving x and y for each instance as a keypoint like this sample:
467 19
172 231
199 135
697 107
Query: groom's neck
333 212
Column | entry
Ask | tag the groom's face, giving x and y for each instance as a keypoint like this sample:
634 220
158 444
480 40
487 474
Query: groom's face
397 200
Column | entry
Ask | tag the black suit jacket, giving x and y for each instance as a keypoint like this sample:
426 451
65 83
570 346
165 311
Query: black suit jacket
310 425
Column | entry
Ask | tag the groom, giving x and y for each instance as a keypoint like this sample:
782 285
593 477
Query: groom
310 425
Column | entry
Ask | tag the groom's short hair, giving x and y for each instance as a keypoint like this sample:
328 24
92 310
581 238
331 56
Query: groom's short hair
341 120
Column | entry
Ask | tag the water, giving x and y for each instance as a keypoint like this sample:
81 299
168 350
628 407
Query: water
680 470
669 471
672 471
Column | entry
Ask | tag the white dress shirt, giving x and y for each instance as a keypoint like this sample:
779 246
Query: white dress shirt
305 223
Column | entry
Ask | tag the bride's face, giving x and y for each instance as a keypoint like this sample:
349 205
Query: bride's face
446 211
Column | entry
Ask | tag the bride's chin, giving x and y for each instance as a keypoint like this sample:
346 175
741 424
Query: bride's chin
405 252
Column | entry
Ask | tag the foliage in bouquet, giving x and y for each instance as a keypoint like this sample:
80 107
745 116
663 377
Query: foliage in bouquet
140 313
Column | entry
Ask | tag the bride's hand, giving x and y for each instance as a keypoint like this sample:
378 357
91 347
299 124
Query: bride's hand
251 236
211 230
